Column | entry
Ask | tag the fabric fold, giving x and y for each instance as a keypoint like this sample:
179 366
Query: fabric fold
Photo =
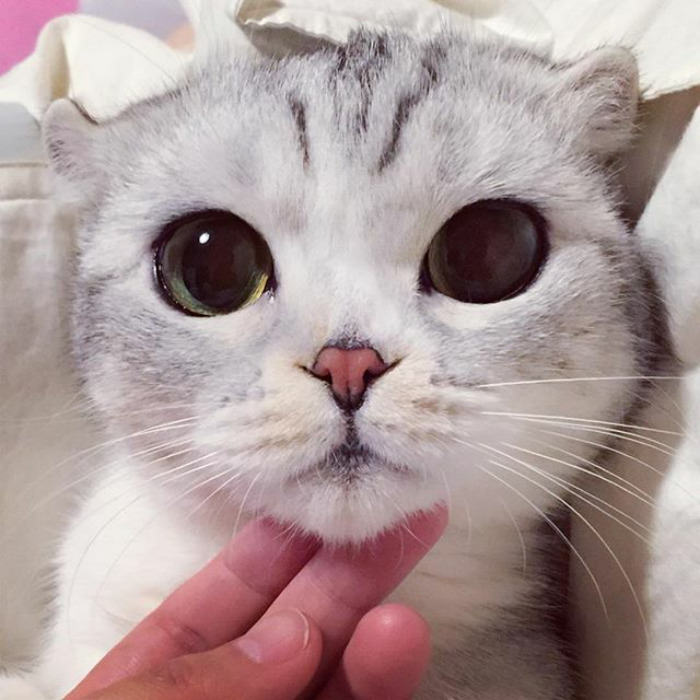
102 66
520 22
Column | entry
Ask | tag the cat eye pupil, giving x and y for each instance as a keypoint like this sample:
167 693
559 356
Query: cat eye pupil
487 252
212 264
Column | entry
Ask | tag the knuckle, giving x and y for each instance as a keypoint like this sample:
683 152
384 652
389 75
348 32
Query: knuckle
184 639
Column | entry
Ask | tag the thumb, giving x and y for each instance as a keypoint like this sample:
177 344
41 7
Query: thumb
275 660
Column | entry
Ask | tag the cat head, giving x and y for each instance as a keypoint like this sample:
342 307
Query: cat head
340 287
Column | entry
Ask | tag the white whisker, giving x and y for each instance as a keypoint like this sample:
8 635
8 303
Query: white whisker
255 479
519 533
577 491
581 421
596 467
87 452
566 504
563 380
556 529
577 468
622 453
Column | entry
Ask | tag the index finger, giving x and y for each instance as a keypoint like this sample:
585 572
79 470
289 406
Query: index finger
219 603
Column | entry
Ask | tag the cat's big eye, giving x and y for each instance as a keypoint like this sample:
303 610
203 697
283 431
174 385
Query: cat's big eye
212 263
487 252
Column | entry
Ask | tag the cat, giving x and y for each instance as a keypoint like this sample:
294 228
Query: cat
339 287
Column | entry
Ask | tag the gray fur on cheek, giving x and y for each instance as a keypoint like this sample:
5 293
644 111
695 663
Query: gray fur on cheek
157 361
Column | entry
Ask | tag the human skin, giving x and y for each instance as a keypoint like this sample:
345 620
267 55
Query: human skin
182 38
277 616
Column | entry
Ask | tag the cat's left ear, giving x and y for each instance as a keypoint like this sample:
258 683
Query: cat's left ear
601 93
70 140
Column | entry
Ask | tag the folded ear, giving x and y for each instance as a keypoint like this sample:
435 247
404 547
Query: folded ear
602 93
70 142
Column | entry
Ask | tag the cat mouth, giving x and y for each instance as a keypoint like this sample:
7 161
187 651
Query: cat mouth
351 461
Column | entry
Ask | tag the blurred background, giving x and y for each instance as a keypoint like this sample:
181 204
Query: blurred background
22 20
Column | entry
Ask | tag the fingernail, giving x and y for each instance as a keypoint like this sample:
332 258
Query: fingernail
276 638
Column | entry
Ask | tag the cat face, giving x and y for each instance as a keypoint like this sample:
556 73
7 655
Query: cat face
342 167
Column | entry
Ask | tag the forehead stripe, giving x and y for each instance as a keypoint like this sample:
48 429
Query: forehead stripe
406 104
299 115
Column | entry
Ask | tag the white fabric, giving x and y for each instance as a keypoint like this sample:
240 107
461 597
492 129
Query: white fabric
100 65
664 35
670 228
104 67
334 21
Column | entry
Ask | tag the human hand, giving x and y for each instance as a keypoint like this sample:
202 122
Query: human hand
308 619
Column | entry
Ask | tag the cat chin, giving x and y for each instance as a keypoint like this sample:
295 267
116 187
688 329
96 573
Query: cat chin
351 514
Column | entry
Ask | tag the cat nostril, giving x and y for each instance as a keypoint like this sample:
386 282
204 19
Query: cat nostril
349 372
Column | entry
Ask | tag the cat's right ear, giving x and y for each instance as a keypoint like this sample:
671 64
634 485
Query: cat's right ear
599 95
70 139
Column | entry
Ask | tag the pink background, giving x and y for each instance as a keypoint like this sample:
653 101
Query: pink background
20 22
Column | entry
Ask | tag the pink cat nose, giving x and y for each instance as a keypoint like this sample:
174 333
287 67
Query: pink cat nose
349 372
